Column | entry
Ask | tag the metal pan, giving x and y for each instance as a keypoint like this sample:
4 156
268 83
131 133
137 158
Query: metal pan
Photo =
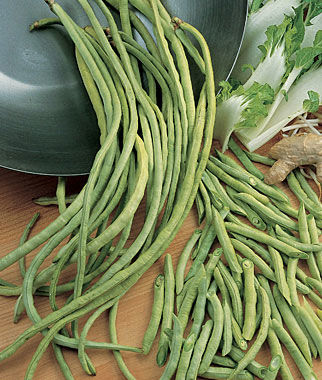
47 125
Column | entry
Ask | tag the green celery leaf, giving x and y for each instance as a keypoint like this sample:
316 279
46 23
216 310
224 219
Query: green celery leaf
317 43
312 104
256 99
305 57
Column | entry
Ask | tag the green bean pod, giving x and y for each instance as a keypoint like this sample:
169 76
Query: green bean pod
200 307
306 187
225 242
313 315
312 328
273 368
276 349
232 288
260 338
269 214
223 361
199 350
183 259
254 367
216 333
314 208
282 232
250 299
190 297
266 239
315 239
292 324
156 314
175 350
255 157
294 351
200 208
232 167
233 206
251 255
237 335
227 333
168 308
252 216
185 356
266 286
306 238
236 184
224 373
212 263
243 158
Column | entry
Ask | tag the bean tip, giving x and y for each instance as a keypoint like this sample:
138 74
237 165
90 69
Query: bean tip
50 3
176 21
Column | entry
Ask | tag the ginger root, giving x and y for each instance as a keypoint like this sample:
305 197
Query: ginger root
292 152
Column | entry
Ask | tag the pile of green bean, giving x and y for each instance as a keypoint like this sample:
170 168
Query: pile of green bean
156 135
242 287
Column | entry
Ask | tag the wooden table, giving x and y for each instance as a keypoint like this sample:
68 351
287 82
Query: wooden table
16 193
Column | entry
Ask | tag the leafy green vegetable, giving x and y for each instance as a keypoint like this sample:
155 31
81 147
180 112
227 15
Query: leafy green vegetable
271 13
312 103
290 50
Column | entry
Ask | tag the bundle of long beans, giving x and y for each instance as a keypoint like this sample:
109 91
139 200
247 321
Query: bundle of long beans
155 140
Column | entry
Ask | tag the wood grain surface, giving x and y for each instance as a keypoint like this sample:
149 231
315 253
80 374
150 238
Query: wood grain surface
16 209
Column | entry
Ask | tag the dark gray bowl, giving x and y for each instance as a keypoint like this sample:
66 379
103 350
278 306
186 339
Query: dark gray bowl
47 125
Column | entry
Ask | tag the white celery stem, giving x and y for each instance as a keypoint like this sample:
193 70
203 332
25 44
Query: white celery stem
310 31
288 110
271 13
227 115
245 135
271 70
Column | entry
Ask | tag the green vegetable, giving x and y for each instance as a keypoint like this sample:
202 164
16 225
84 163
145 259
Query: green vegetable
289 51
312 104
156 314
